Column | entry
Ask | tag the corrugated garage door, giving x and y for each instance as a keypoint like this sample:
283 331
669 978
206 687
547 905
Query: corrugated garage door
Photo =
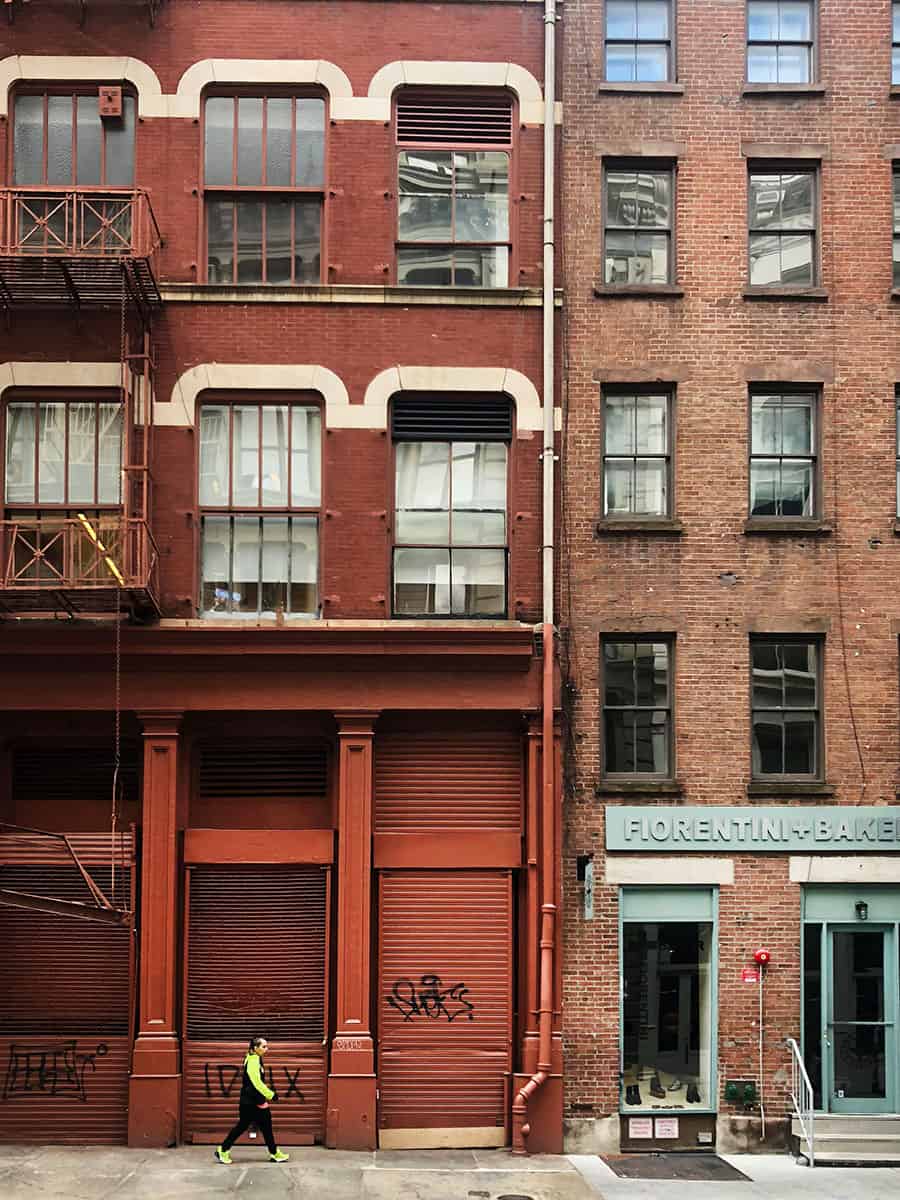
444 1007
65 997
256 965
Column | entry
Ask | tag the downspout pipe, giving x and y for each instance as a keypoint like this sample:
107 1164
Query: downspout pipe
521 1126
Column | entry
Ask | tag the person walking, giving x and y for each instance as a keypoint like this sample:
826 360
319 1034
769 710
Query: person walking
253 1107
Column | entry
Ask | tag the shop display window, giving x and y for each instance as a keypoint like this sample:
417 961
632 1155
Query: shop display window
667 1015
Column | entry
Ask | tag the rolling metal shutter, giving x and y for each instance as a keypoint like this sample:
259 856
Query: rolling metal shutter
66 988
256 948
444 1007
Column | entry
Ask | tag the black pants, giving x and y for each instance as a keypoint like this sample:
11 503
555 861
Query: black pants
248 1115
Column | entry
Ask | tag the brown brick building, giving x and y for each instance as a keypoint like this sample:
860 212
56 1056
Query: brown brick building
729 572
271 393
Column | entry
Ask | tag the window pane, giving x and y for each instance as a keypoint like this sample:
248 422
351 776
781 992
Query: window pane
621 198
478 529
637 258
896 262
245 457
797 201
89 131
800 681
275 546
249 241
618 673
279 115
653 19
650 742
482 197
304 565
618 742
249 140
425 267
219 140
307 241
651 62
425 183
246 564
306 456
279 219
762 20
219 241
621 18
765 201
796 21
416 528
110 466
767 744
768 681
765 436
486 267
896 22
762 64
650 414
764 488
310 143
619 428
120 146
51 453
799 744
650 487
794 64
796 489
423 475
651 673
797 259
896 187
619 486
765 260
621 64
216 565
59 139
478 582
797 427
421 582
20 453
28 140
479 475
895 60
82 452
274 456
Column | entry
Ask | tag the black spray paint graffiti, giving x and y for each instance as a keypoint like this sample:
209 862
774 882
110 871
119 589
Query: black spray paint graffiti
52 1070
222 1078
429 998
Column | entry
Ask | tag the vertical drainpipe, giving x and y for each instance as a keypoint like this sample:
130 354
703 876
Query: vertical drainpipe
520 1124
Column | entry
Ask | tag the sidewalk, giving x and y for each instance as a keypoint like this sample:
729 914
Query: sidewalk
73 1173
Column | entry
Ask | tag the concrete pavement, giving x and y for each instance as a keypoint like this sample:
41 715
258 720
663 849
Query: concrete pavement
88 1173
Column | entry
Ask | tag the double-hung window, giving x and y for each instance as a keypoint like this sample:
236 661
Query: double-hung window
783 460
637 706
263 181
786 707
896 190
637 225
639 41
780 41
895 43
260 494
453 192
450 526
783 251
636 453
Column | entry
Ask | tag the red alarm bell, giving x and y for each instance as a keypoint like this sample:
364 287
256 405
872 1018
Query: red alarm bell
762 957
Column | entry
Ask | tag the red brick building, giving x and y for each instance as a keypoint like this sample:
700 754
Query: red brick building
729 569
271 405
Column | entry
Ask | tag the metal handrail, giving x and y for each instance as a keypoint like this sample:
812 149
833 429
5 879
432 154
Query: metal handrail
90 222
802 1099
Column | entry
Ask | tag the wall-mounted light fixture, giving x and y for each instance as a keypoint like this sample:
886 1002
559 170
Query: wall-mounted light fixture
862 910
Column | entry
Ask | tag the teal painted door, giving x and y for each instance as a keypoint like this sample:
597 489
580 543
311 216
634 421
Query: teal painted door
860 1033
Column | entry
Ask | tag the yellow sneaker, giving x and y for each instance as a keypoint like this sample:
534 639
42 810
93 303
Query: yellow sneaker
222 1156
279 1156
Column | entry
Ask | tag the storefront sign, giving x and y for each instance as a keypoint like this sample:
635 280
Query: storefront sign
667 1127
758 830
640 1127
749 975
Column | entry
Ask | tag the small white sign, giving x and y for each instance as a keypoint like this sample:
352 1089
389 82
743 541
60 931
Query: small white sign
640 1127
704 1137
667 1127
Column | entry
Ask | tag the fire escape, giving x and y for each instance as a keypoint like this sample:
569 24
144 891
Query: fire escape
86 249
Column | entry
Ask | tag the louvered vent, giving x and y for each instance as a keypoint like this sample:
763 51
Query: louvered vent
237 769
72 774
439 417
454 121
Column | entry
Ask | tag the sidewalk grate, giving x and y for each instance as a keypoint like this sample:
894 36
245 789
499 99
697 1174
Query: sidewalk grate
673 1166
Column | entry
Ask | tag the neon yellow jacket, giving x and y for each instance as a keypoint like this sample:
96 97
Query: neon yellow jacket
254 1086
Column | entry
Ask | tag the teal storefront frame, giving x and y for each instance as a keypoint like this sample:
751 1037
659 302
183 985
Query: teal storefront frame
833 907
669 905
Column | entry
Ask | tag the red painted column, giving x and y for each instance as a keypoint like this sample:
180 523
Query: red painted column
155 1089
351 1083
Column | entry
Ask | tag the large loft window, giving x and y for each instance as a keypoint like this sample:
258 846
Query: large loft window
453 211
260 493
61 454
263 186
60 140
450 525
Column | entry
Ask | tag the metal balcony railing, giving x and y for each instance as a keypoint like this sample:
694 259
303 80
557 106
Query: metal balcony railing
77 246
78 565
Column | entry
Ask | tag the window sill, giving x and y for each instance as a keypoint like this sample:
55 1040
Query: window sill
894 92
787 525
818 294
896 527
789 787
639 787
629 291
605 526
784 89
635 88
895 293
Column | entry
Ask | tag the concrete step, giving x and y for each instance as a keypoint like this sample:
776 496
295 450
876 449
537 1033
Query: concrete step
846 1126
828 1158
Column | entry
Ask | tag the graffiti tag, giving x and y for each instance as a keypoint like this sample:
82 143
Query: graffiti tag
429 998
56 1069
220 1079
